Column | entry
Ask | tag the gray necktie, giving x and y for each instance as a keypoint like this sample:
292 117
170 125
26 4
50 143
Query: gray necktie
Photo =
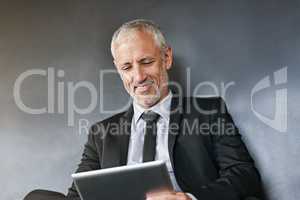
150 135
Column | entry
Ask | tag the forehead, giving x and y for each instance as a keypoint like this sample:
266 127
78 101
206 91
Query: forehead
135 45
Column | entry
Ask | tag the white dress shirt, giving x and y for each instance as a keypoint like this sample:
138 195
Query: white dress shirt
136 142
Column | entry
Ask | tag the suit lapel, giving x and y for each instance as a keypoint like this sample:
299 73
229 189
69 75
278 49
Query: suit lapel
177 107
125 135
117 141
175 116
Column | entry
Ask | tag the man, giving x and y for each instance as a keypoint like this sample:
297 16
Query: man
209 162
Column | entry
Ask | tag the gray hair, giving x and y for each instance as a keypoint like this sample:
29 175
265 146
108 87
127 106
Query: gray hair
141 25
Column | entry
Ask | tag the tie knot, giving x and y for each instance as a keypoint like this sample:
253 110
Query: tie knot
150 116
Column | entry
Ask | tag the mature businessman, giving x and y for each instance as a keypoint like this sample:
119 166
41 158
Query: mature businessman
196 137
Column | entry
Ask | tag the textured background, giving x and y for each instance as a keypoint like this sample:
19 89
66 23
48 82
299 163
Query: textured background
218 41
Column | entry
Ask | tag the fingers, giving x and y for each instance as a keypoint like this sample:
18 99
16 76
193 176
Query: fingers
182 196
167 196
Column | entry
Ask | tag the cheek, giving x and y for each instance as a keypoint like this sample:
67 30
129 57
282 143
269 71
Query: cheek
160 77
126 81
155 74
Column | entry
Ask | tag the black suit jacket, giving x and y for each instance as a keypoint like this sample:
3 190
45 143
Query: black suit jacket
207 153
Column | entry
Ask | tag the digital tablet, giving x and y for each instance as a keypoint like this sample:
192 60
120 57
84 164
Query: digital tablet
130 182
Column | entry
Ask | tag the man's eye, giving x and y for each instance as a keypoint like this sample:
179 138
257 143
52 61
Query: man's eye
148 62
125 68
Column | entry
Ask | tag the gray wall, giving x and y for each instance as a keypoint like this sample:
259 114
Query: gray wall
216 41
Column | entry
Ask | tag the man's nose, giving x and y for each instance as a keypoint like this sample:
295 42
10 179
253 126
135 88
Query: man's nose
139 75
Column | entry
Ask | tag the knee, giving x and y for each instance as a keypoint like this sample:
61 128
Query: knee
32 194
43 195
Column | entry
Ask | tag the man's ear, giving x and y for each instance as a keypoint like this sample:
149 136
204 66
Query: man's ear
168 57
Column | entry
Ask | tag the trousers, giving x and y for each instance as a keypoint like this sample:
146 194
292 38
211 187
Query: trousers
45 195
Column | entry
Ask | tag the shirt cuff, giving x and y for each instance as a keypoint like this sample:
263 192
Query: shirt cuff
191 196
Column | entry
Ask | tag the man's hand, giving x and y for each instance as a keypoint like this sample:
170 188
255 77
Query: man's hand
168 195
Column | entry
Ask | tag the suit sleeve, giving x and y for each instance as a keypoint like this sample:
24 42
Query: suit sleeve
89 161
238 177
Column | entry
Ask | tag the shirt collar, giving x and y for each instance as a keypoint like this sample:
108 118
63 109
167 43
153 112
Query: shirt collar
162 108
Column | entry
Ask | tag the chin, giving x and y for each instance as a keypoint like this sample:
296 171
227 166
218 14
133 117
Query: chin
147 101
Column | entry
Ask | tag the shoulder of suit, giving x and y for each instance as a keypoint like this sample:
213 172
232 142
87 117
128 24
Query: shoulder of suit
111 119
205 98
204 102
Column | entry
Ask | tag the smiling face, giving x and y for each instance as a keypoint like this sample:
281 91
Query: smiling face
142 66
